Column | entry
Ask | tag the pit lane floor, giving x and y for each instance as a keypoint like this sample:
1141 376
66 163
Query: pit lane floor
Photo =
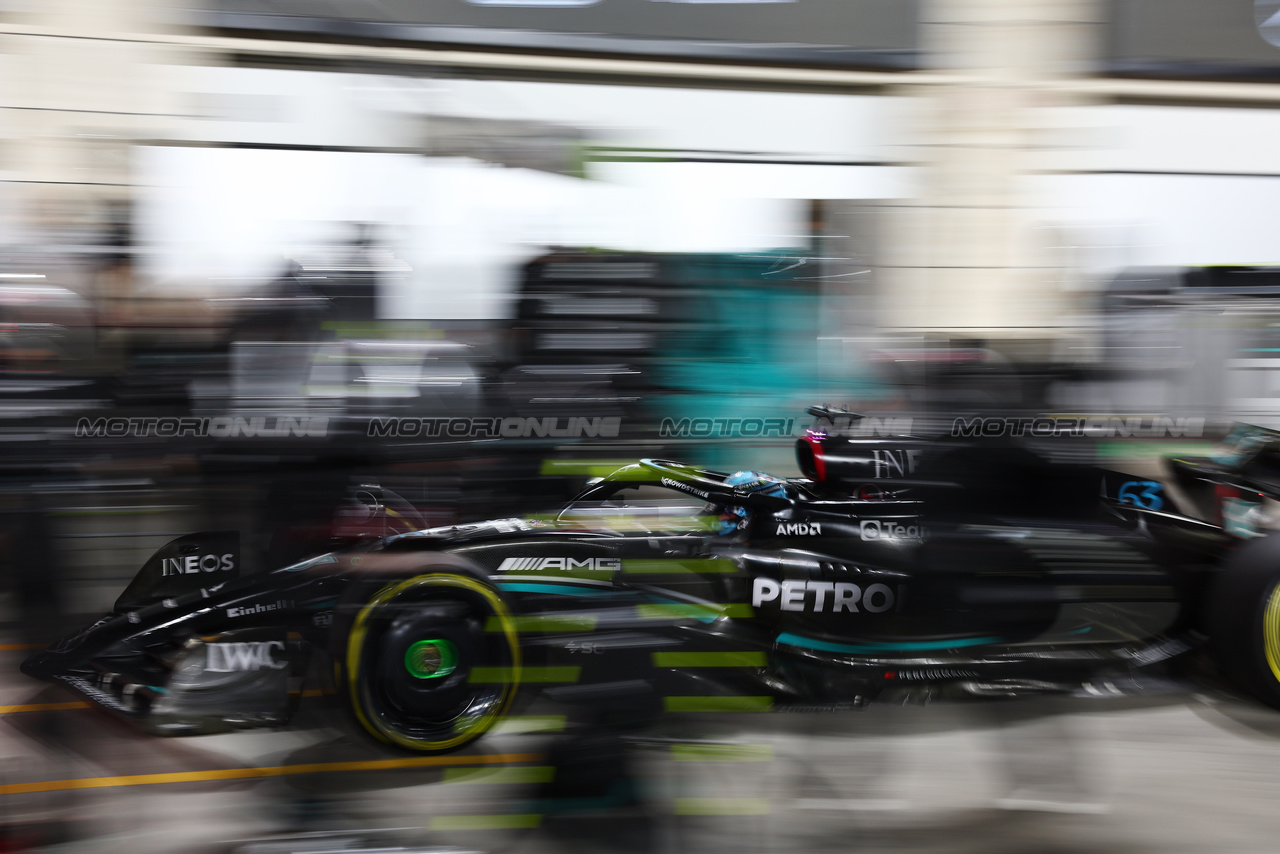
1186 774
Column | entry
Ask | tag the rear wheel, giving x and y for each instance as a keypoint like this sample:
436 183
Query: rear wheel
432 661
1244 619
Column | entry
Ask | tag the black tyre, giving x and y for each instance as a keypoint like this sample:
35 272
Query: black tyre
431 661
1243 619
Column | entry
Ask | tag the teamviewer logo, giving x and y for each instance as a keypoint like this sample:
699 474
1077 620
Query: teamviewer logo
887 530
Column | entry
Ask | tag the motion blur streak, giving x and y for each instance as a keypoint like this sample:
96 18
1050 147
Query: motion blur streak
253 773
282 279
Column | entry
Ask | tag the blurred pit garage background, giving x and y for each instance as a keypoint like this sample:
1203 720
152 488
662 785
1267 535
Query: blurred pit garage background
609 229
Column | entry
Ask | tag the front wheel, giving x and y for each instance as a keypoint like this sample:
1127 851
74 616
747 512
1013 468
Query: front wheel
431 661
1244 619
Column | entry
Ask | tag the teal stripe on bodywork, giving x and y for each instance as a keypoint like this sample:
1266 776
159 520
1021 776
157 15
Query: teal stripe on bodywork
551 587
871 646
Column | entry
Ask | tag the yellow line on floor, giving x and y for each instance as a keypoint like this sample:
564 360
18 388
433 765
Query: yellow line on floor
44 707
270 771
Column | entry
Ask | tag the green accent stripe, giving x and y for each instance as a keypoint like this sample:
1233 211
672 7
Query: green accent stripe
532 723
674 566
717 704
703 613
485 822
1138 449
721 752
499 675
545 623
525 774
589 468
709 659
722 806
382 329
871 646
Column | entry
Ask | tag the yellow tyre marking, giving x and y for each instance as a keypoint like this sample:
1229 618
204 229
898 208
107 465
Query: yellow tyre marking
1271 632
355 645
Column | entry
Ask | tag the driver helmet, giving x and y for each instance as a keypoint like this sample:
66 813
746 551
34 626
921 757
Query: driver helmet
737 518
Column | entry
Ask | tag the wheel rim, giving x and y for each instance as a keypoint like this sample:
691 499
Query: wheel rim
411 656
431 659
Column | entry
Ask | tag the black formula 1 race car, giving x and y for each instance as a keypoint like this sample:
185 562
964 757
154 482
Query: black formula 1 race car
896 568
